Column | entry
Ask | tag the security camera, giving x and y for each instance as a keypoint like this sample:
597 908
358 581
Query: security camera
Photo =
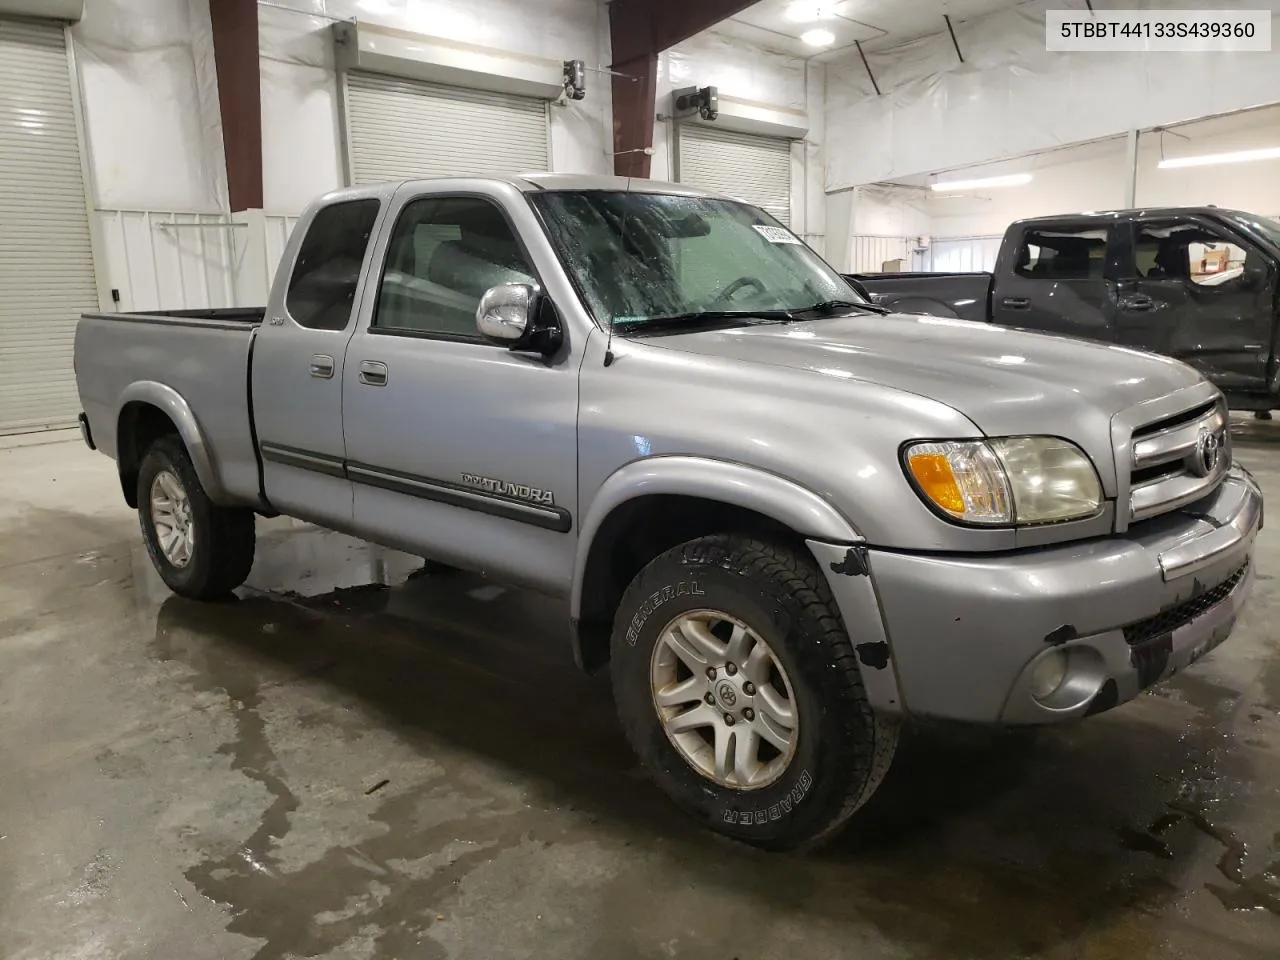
704 101
575 79
708 103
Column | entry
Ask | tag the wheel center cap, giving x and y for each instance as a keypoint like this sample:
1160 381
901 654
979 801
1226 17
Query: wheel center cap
729 695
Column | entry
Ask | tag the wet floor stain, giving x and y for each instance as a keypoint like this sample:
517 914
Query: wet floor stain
402 762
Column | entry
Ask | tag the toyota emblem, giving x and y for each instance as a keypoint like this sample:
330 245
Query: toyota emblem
1208 453
728 696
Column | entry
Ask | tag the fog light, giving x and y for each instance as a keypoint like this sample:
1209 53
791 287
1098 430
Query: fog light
1048 673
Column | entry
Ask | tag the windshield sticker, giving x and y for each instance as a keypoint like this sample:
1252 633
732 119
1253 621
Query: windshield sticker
776 234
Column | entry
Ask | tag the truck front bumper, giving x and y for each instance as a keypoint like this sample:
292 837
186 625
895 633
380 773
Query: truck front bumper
981 638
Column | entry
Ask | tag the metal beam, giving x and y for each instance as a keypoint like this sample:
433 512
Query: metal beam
635 88
1131 170
235 55
638 31
642 27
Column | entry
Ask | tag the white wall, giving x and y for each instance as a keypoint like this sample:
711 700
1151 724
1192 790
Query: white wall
877 222
300 139
150 101
1081 177
1253 186
1010 97
743 71
1087 177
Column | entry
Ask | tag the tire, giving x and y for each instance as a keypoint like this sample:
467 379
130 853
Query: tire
840 749
222 541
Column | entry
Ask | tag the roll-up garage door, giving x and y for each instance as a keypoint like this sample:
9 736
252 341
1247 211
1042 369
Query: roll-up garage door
743 165
46 265
400 129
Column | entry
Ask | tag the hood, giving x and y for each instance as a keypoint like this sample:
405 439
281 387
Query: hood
1006 381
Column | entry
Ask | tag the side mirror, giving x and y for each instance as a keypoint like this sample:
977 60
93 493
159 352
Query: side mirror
519 317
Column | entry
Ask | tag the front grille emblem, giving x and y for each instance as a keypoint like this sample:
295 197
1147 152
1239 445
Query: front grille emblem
1208 453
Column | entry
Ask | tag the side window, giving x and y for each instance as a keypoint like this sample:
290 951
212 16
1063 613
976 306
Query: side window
1063 255
327 271
445 252
1190 253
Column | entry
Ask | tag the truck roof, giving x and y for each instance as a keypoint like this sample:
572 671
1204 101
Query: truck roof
1134 214
538 182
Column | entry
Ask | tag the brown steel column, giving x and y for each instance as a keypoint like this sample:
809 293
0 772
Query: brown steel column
638 31
633 113
235 55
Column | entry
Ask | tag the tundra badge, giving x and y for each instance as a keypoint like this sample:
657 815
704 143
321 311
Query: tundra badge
505 488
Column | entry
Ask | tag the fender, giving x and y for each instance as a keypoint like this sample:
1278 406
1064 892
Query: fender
778 498
172 404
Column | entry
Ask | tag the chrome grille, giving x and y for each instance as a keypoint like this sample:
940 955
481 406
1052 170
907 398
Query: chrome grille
1178 459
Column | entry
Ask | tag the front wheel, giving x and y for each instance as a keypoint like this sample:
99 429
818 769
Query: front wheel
738 687
201 550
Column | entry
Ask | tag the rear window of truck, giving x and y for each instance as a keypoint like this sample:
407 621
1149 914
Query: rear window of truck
1063 255
322 288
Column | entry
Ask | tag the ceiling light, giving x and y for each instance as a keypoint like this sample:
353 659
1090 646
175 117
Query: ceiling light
1211 159
818 38
1012 180
806 11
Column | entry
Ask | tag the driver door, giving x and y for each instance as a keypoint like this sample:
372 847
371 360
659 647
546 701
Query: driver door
1203 295
459 449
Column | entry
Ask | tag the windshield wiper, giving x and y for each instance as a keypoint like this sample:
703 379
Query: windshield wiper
688 321
828 307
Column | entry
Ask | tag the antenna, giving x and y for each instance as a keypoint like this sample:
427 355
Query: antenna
622 238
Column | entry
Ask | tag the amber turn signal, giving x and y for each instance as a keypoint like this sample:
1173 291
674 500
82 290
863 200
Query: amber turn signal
933 474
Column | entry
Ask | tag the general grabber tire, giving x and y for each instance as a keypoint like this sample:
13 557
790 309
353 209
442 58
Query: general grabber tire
765 608
200 550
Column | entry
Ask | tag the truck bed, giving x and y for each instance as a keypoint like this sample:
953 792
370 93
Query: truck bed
200 356
236 317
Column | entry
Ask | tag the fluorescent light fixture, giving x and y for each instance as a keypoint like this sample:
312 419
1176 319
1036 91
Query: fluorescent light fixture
1012 180
1212 159
806 11
818 38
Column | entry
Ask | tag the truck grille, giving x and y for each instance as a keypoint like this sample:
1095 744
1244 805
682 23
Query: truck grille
1137 634
1178 460
1151 640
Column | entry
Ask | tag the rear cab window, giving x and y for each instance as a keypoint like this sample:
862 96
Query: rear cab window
1051 253
322 287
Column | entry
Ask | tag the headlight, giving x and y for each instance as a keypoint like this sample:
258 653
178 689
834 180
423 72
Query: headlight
1014 480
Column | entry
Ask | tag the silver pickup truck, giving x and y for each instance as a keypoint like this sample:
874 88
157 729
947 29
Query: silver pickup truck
784 519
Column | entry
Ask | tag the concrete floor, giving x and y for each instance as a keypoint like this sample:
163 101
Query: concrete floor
353 762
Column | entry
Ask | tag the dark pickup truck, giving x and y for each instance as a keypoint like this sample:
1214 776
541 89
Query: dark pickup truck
1195 283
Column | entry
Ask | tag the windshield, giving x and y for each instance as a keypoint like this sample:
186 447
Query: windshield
1267 227
642 257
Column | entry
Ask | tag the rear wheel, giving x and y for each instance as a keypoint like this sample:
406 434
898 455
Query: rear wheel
201 550
738 687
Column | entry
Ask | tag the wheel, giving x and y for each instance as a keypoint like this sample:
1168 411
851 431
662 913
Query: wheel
200 550
738 688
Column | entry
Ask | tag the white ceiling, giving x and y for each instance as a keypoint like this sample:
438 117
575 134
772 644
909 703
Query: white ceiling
877 24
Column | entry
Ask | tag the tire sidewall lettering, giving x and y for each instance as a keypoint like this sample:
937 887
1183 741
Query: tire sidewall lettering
664 594
760 816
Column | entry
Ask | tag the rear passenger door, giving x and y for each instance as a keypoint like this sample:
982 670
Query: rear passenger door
460 449
1060 280
296 369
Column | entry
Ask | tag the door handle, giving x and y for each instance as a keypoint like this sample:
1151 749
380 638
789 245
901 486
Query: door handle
1016 303
322 366
373 373
1137 304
